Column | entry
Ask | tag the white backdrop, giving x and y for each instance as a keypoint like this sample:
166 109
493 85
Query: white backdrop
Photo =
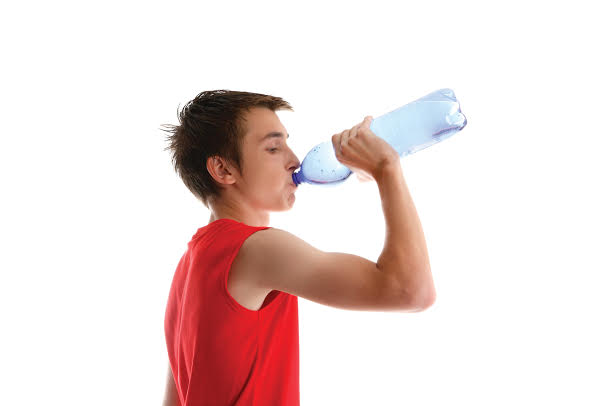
94 218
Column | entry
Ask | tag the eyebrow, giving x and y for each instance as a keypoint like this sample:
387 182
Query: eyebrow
273 134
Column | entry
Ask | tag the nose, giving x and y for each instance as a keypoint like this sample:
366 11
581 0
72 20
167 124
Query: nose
295 163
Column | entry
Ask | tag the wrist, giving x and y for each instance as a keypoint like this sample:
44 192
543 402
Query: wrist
386 169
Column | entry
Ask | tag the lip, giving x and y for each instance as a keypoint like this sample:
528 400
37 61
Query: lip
293 184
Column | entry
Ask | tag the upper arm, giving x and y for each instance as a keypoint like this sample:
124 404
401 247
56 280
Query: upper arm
281 261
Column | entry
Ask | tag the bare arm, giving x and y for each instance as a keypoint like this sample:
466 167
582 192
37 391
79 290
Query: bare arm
171 396
404 243
405 255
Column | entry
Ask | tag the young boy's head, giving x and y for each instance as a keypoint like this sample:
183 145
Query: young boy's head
224 151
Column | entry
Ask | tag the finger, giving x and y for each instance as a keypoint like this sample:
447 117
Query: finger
353 131
366 125
336 144
344 139
365 119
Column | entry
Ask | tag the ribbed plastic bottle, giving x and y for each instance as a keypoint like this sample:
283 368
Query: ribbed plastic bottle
408 129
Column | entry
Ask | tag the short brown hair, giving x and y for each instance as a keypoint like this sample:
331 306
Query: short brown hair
212 124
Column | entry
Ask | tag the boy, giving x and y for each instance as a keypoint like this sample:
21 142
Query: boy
231 320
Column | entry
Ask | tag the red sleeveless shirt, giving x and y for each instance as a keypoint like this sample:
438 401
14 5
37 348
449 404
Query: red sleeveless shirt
220 352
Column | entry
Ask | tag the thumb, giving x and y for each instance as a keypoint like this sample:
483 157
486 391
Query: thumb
367 121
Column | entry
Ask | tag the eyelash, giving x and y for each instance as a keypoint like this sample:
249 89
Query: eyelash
272 149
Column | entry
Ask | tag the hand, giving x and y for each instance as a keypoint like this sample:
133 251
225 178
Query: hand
363 152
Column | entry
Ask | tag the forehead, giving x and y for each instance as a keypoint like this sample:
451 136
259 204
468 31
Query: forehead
261 121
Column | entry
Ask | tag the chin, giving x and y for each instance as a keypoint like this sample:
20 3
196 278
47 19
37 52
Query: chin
287 202
292 199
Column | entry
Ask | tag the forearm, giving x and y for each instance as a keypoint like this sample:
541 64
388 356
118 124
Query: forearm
405 253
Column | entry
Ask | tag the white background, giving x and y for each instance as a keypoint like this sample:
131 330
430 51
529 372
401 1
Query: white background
94 218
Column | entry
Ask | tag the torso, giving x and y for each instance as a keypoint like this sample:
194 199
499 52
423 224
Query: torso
240 285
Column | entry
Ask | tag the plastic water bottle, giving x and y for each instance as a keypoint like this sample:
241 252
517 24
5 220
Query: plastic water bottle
408 129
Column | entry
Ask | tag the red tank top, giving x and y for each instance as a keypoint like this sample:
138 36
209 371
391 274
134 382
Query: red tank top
220 352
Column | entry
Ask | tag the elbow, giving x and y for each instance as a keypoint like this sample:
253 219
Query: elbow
425 299
429 302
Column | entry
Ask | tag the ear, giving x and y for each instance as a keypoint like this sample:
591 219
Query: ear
220 170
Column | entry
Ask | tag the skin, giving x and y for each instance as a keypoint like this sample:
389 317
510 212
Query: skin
266 186
171 397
